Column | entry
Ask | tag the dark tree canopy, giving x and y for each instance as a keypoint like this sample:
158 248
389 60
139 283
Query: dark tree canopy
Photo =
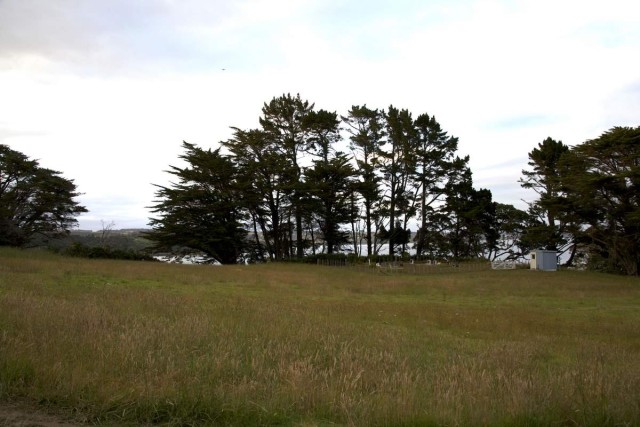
589 197
35 203
551 230
330 188
203 210
602 187
469 217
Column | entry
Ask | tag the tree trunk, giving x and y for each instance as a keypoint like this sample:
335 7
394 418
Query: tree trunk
313 237
255 232
574 249
368 215
299 238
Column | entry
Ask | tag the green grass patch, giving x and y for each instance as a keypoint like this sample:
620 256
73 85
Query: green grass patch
135 342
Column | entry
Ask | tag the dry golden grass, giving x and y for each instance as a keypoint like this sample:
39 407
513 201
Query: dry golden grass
131 342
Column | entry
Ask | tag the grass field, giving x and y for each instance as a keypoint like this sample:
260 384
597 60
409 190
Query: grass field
129 342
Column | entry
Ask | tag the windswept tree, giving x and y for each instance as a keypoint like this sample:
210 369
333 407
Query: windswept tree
203 209
35 203
602 192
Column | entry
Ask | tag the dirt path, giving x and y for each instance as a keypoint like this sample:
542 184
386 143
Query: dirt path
22 415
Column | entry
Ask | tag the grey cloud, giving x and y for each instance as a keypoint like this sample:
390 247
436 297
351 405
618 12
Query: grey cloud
107 36
124 36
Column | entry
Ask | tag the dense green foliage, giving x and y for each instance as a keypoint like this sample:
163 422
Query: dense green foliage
36 203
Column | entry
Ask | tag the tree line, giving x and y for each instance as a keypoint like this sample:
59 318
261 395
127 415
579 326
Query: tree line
295 187
308 181
373 181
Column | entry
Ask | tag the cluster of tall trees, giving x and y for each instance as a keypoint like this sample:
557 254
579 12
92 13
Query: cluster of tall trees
382 181
308 181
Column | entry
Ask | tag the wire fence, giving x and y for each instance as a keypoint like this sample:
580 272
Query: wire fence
408 267
334 262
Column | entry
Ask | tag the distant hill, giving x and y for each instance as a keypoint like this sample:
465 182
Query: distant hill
128 239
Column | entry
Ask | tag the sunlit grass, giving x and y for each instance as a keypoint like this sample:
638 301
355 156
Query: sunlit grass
295 344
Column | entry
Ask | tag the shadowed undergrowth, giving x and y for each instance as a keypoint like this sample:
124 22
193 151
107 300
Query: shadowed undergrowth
131 342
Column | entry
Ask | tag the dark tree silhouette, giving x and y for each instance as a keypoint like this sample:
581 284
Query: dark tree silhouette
35 203
203 210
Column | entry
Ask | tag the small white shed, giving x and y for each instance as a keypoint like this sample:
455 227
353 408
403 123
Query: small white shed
544 260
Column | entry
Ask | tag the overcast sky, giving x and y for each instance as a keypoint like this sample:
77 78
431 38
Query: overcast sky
106 91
